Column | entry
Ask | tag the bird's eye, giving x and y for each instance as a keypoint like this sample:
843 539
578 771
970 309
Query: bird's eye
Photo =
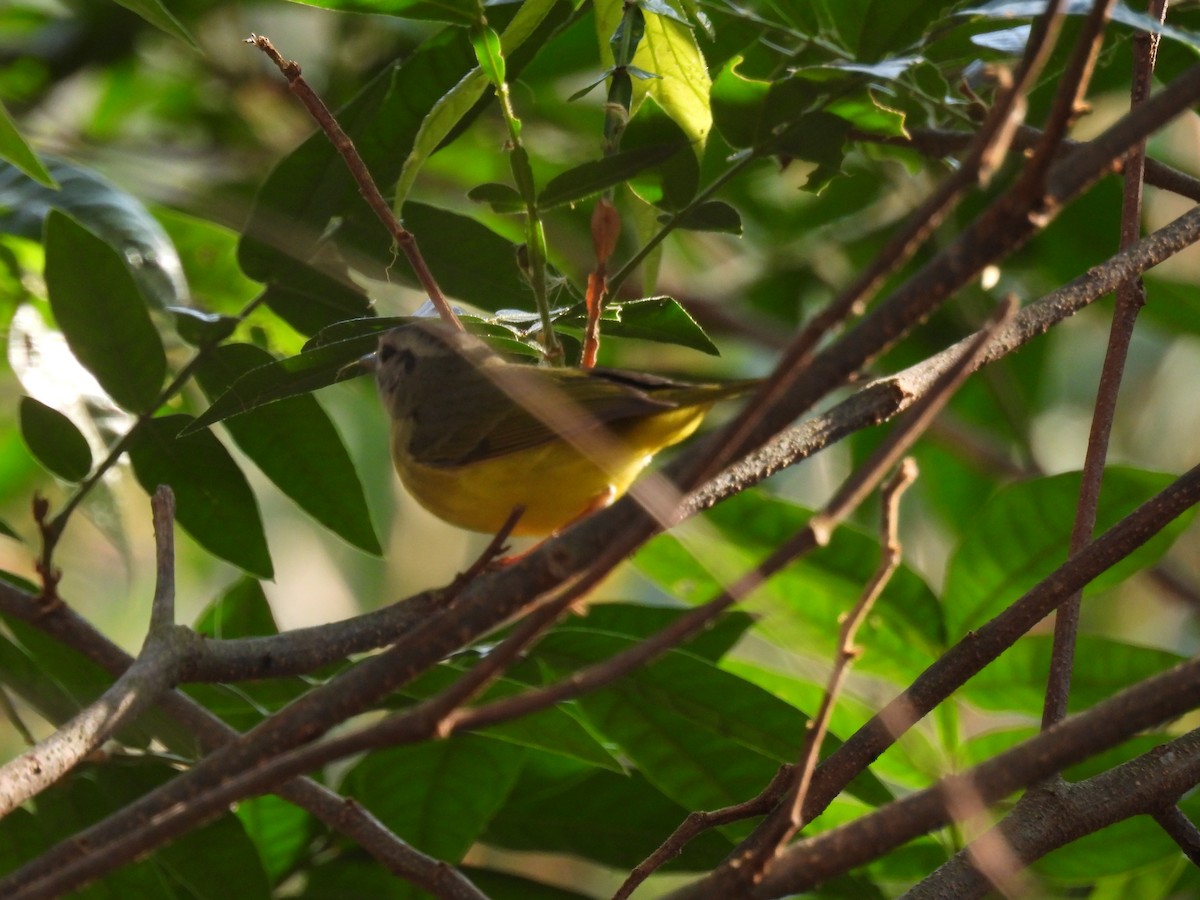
386 352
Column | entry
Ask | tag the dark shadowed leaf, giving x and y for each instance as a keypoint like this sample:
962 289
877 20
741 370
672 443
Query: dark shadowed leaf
452 12
201 328
295 444
438 795
54 440
214 503
102 315
283 378
593 177
160 17
714 215
500 197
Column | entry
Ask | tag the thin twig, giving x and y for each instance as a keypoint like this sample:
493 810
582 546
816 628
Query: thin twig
1130 299
342 143
162 607
139 687
889 560
347 818
1182 830
1068 101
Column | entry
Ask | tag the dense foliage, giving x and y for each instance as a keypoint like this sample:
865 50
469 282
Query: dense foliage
189 273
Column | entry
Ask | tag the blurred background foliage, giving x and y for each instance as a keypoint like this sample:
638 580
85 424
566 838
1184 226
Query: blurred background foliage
174 140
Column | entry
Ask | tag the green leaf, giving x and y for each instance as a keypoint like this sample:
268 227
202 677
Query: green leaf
669 50
556 730
312 189
659 319
891 26
308 299
291 377
459 101
504 886
714 215
280 831
438 795
702 736
598 175
1016 681
865 111
30 680
737 104
14 149
492 281
54 440
242 611
1022 535
109 213
214 503
500 197
803 603
489 54
101 314
295 444
160 17
452 12
7 531
200 328
616 820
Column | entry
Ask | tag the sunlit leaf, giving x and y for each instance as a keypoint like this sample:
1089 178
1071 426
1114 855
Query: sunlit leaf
160 17
14 149
1022 534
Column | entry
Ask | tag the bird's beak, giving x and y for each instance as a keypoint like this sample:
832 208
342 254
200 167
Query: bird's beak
369 362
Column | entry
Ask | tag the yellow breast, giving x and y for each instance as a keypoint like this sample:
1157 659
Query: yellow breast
555 481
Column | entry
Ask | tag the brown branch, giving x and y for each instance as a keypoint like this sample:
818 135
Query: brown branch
1055 814
940 143
745 865
1182 830
818 726
347 818
151 674
1068 102
1130 299
342 143
1134 788
882 399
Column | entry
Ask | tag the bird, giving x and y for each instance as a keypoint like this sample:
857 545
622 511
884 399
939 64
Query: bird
475 436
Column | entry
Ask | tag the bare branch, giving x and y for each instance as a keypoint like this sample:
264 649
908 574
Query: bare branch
342 143
1057 813
1131 296
1075 810
151 674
